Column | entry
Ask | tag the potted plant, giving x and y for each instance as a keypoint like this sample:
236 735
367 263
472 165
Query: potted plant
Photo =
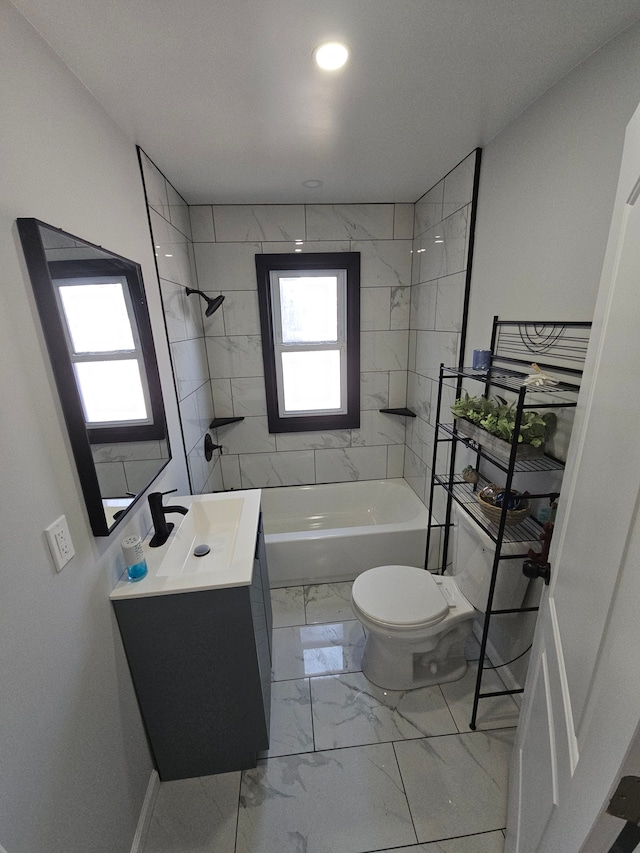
491 423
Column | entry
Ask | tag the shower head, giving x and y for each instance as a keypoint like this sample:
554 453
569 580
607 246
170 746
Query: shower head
212 304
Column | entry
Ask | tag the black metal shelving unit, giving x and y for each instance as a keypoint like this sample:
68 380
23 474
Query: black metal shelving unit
557 348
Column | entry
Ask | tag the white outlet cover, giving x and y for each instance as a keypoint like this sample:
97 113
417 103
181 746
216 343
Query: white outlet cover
59 541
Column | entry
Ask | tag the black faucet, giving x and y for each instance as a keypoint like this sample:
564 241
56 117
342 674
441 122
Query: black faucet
161 527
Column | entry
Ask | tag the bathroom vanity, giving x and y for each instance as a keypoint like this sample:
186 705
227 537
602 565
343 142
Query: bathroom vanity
197 635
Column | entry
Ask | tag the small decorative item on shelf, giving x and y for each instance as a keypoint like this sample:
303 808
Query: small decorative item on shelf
470 475
491 423
539 377
491 500
481 359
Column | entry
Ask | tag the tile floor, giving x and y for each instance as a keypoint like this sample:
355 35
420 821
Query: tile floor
351 768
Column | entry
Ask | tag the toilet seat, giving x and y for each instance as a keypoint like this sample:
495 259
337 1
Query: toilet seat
400 596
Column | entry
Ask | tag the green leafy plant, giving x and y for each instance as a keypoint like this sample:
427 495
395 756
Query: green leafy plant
498 418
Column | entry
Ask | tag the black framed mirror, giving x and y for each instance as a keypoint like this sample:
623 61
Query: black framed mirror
96 325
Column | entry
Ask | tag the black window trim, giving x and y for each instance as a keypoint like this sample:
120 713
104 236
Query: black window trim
350 262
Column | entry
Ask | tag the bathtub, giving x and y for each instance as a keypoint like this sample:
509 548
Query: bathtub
335 531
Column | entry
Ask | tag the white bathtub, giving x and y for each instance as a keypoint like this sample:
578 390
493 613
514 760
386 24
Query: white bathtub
335 531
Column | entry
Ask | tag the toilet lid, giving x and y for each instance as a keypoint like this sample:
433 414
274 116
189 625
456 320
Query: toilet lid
400 595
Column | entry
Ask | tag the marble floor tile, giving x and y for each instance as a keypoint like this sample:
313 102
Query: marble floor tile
291 729
299 652
341 801
328 602
195 816
287 605
348 711
488 842
495 712
456 784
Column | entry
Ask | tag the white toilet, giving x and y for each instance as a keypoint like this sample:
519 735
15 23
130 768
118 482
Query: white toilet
417 623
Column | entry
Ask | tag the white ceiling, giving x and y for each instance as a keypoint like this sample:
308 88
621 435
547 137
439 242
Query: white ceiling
224 97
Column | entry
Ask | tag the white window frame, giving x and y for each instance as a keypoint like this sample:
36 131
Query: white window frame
135 354
340 344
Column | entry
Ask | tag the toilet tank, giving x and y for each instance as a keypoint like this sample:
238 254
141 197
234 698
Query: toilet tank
473 553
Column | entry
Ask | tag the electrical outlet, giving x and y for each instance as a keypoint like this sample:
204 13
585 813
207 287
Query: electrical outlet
59 541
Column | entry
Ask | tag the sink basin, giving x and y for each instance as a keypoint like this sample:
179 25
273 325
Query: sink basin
225 522
214 524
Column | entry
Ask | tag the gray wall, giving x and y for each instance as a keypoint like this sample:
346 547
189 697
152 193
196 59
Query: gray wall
74 764
547 187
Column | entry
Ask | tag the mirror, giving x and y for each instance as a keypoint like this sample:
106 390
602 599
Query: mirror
96 325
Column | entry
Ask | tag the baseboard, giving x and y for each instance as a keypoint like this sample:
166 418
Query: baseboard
504 673
145 812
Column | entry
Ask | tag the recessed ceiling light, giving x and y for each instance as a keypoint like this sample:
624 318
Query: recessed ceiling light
312 185
331 55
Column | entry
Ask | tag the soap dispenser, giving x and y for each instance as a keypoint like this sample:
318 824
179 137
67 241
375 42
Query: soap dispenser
134 559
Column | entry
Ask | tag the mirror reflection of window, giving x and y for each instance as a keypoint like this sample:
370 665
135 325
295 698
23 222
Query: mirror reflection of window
111 392
105 350
96 316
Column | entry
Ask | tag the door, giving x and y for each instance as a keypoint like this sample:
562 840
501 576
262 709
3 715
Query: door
582 701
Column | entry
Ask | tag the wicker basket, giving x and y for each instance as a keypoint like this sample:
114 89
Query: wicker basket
493 513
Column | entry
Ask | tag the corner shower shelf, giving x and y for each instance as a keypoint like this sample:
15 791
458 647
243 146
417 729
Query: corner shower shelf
219 422
406 413
515 345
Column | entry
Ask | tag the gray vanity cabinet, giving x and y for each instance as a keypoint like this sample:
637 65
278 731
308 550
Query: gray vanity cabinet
201 667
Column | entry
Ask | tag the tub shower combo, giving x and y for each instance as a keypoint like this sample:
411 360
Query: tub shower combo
335 531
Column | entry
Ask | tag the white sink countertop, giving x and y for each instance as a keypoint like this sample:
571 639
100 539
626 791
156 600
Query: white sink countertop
227 522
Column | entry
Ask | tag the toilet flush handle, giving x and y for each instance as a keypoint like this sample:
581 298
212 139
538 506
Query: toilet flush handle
531 569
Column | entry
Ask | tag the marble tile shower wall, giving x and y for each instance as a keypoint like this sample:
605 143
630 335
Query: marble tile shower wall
127 466
226 239
438 280
171 231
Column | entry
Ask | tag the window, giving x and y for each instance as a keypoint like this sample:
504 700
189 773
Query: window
99 322
310 321
105 355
